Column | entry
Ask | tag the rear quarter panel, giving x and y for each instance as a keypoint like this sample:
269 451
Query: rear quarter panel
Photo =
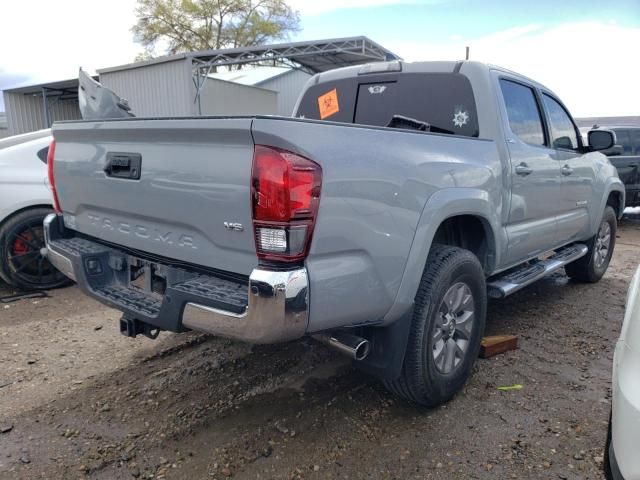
376 184
23 177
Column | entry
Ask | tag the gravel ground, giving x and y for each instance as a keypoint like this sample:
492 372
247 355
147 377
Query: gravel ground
78 400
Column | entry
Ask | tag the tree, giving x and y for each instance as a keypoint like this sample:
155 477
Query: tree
191 25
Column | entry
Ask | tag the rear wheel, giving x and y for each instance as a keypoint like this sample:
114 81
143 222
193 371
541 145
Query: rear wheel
594 264
23 261
447 326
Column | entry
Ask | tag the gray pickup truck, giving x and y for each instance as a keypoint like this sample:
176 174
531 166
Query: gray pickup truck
379 219
625 156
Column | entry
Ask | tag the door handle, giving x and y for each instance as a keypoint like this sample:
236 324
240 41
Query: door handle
523 169
567 170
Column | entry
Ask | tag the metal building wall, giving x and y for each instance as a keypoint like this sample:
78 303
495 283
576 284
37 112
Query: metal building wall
227 98
289 86
64 110
25 112
156 90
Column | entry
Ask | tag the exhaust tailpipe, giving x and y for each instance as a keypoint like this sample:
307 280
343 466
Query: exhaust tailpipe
352 346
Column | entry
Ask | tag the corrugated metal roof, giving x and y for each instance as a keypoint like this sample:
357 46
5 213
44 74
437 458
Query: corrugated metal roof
315 55
71 84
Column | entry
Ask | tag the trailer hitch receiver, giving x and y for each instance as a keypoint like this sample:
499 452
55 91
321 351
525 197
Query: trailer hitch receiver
132 327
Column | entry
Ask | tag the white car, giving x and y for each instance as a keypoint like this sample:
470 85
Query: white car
623 444
25 200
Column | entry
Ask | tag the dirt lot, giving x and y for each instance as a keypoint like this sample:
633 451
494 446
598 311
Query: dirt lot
78 400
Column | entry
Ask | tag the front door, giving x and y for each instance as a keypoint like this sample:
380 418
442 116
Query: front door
577 172
535 175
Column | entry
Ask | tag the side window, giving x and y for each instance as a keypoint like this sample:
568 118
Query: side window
635 138
523 112
623 139
42 154
563 131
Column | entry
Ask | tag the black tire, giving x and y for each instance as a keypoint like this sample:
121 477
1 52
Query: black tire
422 380
22 264
593 265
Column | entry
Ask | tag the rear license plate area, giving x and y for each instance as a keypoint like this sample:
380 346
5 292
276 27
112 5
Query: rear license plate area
148 277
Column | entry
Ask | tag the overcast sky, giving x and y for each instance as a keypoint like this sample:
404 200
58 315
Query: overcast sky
587 51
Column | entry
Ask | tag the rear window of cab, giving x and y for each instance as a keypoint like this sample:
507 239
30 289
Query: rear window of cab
443 101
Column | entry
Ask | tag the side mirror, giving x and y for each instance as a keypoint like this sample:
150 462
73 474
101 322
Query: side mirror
601 139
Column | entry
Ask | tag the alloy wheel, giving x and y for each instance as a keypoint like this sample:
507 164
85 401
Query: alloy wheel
453 327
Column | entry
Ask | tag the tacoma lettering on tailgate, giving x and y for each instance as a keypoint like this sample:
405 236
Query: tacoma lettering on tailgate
143 231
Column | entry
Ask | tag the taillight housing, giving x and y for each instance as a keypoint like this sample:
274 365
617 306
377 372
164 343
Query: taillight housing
285 195
52 180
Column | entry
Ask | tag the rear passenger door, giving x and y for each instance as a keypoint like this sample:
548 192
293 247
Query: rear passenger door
535 174
577 169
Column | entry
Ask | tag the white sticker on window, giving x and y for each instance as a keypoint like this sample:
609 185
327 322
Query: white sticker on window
460 118
375 89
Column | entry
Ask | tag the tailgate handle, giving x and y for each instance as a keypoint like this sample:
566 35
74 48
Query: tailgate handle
123 165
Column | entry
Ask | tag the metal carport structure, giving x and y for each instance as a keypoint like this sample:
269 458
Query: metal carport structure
179 85
35 107
311 56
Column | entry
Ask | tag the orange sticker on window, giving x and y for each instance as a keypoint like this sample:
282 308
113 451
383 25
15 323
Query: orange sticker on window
328 104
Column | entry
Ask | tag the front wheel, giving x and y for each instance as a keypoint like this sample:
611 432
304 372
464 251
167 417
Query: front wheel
594 264
446 329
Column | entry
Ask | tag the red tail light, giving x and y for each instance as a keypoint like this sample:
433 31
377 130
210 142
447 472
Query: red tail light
52 181
285 190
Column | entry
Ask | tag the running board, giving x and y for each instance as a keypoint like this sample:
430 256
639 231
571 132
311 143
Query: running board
504 285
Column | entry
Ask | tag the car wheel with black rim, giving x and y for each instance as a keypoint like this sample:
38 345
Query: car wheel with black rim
446 329
23 256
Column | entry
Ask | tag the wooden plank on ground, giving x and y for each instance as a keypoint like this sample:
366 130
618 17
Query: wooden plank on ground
492 346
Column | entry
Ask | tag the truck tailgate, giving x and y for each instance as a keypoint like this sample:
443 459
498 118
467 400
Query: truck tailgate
194 176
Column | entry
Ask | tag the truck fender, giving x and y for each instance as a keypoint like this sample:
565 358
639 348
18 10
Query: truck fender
22 205
389 342
613 184
443 204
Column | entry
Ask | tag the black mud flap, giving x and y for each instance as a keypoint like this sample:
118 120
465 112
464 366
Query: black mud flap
388 346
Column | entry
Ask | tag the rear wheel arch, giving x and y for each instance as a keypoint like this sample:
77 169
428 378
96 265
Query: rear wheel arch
470 232
24 209
480 207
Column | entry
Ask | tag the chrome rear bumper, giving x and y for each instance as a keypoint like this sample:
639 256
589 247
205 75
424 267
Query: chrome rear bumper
277 310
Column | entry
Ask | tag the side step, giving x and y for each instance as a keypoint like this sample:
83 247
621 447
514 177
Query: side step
503 285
